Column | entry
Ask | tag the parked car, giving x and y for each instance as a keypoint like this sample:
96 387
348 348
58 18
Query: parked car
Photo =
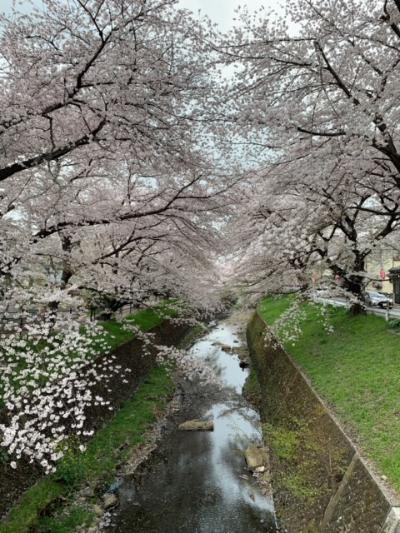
378 299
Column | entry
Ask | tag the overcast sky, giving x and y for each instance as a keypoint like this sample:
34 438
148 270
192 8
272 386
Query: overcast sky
220 11
223 11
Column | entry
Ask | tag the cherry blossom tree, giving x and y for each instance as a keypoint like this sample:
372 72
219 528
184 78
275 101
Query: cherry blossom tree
102 104
98 79
295 233
316 94
104 191
113 235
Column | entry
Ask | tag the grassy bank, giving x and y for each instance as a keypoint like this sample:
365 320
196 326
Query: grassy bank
99 462
145 319
96 466
356 368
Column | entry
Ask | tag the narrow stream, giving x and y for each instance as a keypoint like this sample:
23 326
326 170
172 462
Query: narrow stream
198 482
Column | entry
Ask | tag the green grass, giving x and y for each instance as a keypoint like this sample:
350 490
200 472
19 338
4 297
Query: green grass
272 308
66 522
108 449
145 319
25 514
357 370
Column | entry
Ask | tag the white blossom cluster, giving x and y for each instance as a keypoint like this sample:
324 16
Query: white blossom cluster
288 328
193 368
48 376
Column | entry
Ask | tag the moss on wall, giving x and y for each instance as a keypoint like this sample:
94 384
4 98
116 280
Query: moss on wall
310 454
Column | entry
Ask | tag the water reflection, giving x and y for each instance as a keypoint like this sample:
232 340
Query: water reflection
199 482
225 364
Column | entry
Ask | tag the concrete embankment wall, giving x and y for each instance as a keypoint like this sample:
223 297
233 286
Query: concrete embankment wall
320 482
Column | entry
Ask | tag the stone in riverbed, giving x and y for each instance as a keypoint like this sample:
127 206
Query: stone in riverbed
109 500
223 347
98 511
197 425
256 457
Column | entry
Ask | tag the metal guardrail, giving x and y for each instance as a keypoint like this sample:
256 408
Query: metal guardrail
387 313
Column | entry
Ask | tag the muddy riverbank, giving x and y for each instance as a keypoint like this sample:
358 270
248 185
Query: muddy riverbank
198 482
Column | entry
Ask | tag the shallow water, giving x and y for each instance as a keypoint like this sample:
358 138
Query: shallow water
198 481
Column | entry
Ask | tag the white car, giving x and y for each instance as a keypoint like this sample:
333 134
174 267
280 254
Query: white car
378 299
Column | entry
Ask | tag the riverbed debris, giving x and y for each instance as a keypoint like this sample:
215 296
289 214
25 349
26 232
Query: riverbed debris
110 500
240 351
256 457
98 511
197 425
224 347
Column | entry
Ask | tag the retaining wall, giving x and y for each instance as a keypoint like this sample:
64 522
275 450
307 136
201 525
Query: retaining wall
320 482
